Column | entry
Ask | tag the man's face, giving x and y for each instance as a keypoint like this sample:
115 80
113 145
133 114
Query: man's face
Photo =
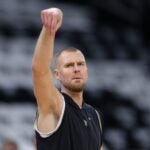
71 71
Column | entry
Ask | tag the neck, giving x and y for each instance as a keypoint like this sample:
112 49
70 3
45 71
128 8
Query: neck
76 96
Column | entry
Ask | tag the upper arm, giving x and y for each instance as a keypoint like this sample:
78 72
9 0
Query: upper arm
47 96
101 148
49 100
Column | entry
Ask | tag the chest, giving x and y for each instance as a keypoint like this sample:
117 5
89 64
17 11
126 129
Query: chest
82 128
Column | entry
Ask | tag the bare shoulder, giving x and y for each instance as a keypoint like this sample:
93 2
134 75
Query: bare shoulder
48 121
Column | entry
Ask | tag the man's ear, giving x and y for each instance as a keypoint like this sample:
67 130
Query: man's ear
56 73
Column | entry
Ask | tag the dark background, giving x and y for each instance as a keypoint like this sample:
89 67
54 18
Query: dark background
114 35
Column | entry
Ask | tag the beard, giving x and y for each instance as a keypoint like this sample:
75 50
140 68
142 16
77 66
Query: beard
75 88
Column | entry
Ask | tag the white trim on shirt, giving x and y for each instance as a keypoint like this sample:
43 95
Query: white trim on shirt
45 135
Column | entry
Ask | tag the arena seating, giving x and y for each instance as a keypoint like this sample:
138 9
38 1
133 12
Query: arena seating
117 52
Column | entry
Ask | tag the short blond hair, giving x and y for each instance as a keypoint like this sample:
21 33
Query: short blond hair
69 49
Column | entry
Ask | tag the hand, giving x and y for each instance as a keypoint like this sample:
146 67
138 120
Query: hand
52 19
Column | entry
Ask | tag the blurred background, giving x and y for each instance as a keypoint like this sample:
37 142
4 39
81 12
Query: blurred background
114 35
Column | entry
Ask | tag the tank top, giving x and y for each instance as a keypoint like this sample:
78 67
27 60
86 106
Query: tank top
79 129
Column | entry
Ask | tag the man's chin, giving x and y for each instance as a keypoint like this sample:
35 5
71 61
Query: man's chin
77 88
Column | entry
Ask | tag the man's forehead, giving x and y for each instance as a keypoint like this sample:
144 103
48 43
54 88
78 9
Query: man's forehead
71 55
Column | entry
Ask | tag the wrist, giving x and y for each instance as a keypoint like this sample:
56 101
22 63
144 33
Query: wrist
48 33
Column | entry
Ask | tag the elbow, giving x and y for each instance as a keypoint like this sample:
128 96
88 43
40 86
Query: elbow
34 67
37 70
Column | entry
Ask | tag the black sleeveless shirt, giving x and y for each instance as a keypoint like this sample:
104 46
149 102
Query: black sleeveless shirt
79 130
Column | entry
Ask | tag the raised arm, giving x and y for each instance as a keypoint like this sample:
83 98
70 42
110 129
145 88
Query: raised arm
48 98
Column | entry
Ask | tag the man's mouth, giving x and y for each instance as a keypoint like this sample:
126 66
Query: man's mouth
77 78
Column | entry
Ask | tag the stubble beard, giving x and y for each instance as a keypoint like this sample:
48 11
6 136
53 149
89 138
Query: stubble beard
75 88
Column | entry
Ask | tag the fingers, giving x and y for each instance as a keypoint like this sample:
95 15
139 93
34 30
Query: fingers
46 18
59 22
54 21
51 19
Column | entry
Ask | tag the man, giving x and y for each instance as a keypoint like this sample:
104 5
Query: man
9 145
64 120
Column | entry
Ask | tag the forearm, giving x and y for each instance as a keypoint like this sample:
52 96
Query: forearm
43 52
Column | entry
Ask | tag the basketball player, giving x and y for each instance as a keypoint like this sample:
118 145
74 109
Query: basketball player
64 120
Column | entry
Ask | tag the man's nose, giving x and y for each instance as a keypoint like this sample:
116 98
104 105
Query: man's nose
76 68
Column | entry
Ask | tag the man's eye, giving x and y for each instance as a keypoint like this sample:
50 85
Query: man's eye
69 65
81 64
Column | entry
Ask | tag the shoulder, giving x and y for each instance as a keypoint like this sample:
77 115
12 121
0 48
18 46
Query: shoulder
95 114
90 108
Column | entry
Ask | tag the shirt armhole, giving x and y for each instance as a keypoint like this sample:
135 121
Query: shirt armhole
45 135
100 128
99 119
